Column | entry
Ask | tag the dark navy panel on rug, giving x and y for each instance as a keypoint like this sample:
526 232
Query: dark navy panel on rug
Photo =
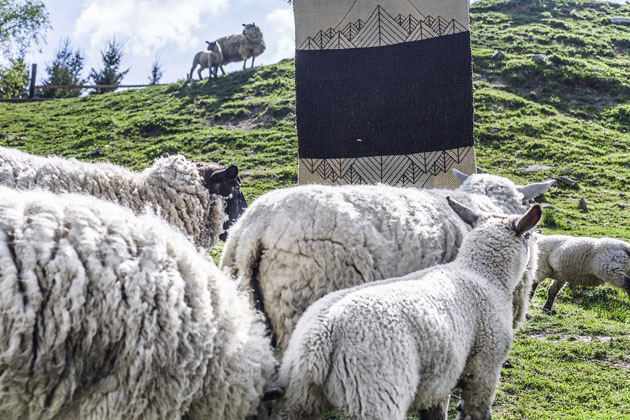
399 99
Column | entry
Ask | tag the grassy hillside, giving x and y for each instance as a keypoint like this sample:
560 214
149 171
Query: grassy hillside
557 93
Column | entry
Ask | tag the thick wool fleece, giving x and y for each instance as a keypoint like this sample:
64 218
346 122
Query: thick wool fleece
295 245
582 262
172 188
107 315
377 350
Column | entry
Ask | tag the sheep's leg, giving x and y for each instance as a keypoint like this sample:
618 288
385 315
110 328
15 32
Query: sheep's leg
192 69
222 71
477 395
253 58
199 73
244 64
533 292
437 412
554 289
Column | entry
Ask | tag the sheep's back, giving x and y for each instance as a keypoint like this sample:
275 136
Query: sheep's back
230 46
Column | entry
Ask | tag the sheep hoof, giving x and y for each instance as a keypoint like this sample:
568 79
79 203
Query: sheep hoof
272 391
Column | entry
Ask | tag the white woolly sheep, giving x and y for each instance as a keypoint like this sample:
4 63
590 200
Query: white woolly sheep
193 198
295 245
210 59
582 262
240 47
109 315
377 350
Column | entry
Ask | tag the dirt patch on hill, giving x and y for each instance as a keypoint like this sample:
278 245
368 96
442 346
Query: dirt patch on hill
571 337
254 118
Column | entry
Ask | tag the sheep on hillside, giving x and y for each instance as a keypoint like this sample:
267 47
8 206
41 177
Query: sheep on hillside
375 351
295 245
109 315
193 198
582 262
210 59
240 47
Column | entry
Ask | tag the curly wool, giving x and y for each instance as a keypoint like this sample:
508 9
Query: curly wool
376 350
582 262
295 245
172 188
108 315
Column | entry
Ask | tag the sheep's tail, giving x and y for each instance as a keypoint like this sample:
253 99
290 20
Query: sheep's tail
241 259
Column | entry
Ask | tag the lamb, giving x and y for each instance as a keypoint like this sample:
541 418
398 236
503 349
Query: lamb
582 262
376 350
193 198
240 47
109 315
295 245
210 59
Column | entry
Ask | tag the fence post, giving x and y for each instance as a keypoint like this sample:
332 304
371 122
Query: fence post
31 89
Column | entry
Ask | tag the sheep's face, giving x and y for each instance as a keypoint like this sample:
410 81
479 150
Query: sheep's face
212 45
226 183
252 32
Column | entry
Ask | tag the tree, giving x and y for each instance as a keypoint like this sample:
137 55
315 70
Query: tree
110 74
22 22
65 69
156 71
13 79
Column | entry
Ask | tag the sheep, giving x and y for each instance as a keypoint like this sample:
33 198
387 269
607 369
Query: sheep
295 245
582 262
190 197
210 59
377 350
109 315
240 47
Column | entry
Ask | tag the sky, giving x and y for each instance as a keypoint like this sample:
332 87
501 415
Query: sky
174 30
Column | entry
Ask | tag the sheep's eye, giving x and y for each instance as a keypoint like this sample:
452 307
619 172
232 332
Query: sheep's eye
527 235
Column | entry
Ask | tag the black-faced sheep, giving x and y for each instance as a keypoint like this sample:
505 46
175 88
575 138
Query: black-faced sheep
582 262
193 198
295 245
377 350
109 315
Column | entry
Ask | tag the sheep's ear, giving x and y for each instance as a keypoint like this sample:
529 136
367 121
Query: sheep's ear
532 191
465 213
225 174
244 24
208 42
529 220
460 176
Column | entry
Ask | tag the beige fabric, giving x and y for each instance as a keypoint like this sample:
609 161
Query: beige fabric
422 170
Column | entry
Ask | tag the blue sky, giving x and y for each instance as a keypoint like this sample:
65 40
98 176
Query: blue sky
174 29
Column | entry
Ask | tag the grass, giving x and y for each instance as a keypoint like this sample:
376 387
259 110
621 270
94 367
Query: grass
569 111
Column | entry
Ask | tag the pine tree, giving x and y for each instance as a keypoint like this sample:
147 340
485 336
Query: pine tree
156 71
14 79
110 74
65 69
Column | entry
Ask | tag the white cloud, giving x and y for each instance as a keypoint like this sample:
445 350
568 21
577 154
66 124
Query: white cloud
282 26
143 26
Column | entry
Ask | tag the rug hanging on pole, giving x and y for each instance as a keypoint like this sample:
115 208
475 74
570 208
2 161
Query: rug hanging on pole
383 91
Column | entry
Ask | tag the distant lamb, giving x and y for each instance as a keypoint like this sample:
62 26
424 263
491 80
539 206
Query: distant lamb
210 59
108 315
193 198
240 47
377 350
295 245
582 262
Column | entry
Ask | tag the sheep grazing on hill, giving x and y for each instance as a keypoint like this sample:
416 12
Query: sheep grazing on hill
109 315
210 59
240 47
193 198
295 245
377 350
582 262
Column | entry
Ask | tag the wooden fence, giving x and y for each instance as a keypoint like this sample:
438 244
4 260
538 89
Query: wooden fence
32 88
